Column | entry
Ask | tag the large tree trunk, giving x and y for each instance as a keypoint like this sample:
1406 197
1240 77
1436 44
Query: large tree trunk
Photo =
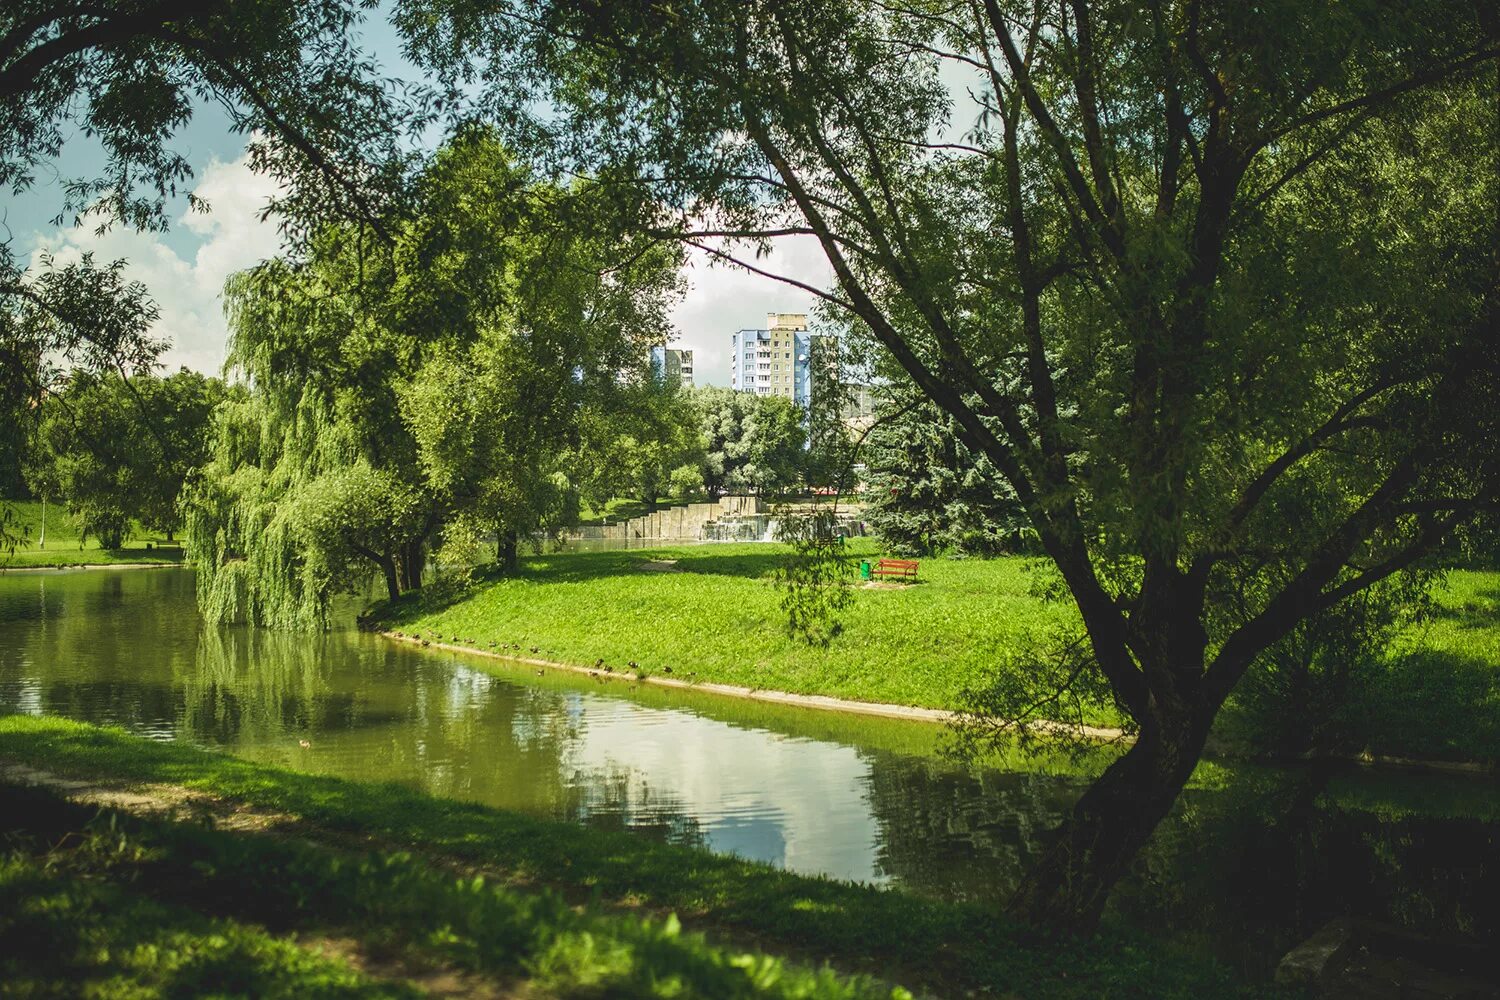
508 551
1068 886
392 581
410 564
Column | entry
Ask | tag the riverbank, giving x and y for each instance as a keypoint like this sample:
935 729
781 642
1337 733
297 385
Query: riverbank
64 549
368 871
712 615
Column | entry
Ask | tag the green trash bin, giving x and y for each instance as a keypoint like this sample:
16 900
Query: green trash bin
864 569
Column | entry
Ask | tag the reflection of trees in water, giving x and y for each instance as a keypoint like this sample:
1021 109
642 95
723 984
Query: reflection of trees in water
1247 870
96 646
1254 867
253 685
514 746
621 798
959 833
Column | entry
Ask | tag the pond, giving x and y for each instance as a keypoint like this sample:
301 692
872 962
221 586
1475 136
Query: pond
1254 860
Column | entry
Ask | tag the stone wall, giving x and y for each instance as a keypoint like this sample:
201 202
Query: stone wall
685 521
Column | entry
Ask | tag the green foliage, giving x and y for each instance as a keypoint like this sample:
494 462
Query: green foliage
641 447
930 493
829 444
128 78
119 450
815 578
752 443
416 912
1310 692
445 379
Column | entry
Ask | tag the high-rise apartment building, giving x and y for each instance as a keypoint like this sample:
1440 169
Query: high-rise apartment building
673 365
774 361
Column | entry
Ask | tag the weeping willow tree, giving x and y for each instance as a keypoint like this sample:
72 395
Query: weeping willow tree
398 392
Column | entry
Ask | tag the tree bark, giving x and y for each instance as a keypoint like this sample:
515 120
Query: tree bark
1068 886
413 556
392 581
508 551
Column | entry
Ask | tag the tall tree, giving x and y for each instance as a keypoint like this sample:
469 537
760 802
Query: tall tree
128 74
434 383
928 493
751 442
1213 286
117 451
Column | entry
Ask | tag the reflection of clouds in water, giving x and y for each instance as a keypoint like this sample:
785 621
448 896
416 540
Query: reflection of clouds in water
25 698
793 802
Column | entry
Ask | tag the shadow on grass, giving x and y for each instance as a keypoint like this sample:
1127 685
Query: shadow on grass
947 947
1480 612
1432 703
582 567
65 931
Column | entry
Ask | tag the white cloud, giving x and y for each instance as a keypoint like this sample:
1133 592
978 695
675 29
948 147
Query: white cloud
188 291
722 298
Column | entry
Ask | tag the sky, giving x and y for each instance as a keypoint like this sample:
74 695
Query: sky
185 267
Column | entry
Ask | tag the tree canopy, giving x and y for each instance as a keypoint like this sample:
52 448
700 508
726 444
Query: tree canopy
433 386
118 451
1211 286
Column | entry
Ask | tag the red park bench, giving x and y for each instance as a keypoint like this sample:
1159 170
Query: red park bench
905 569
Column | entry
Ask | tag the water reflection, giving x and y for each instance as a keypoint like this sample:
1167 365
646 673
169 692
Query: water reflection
1253 861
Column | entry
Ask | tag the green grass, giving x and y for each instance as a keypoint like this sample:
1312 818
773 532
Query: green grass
74 923
717 617
514 921
180 907
65 548
1438 692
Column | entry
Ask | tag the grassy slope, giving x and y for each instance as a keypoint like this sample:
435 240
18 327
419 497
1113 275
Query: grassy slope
1439 694
64 547
719 616
719 619
949 949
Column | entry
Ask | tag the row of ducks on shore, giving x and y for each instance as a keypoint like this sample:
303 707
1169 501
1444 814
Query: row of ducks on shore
599 664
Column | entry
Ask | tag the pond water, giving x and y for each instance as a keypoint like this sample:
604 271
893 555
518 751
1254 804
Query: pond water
1254 860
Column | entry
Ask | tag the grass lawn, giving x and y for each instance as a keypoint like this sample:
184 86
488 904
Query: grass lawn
64 548
148 907
712 613
1438 694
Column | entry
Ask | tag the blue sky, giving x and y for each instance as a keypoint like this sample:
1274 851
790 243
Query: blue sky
185 267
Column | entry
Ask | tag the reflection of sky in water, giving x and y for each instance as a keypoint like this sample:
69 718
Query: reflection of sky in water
794 802
129 649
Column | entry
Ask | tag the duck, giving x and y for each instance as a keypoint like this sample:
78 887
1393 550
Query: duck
535 649
304 744
666 670
599 662
540 672
633 665
426 643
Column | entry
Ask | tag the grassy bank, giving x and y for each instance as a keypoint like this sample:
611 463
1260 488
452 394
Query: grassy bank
395 894
64 547
712 613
